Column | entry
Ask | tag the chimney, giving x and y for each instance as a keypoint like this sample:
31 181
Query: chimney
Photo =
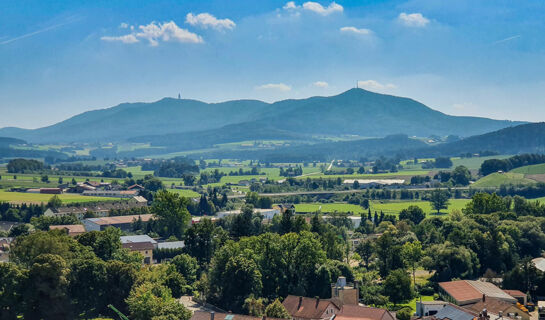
317 301
484 297
300 303
212 315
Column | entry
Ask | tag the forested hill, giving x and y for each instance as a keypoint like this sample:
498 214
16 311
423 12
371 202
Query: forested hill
526 138
355 111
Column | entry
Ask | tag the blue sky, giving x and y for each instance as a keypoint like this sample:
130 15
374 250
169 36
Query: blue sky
61 58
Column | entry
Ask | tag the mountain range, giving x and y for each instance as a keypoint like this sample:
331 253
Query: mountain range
182 122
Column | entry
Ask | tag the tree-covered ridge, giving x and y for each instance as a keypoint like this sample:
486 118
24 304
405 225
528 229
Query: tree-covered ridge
495 165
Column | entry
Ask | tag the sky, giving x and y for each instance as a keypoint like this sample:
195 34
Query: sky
463 57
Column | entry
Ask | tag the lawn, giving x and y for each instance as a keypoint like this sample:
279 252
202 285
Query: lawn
412 303
389 207
21 197
185 193
394 207
495 180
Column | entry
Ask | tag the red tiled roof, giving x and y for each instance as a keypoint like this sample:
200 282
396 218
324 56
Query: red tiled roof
461 291
203 315
515 293
310 308
122 219
352 312
492 305
72 228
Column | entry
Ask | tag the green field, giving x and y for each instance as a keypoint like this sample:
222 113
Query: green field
495 180
21 197
389 207
475 162
394 207
185 193
533 169
412 304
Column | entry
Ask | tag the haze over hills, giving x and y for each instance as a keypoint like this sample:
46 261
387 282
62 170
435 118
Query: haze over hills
356 111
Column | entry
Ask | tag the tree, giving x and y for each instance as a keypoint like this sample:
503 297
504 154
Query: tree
277 310
412 252
54 202
87 286
439 199
397 286
365 250
154 301
187 266
286 223
450 261
404 314
171 213
105 243
412 213
74 182
12 283
47 297
254 307
202 239
461 176
45 179
244 280
60 180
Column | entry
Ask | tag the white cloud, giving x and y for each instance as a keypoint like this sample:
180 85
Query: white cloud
129 38
413 19
289 5
318 8
124 25
315 7
156 32
375 85
321 84
274 86
206 20
355 30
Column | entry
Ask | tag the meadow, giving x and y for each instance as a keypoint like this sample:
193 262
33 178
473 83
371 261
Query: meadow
388 207
22 197
495 180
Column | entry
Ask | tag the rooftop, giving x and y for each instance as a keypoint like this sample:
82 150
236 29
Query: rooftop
137 239
470 291
310 308
72 228
452 312
120 219
491 305
358 312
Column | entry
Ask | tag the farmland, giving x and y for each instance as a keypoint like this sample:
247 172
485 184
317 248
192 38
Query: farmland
495 180
390 207
21 197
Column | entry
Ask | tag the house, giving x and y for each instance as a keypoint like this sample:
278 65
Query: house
303 308
111 193
5 226
136 187
100 210
121 222
454 312
499 308
357 312
211 315
139 201
347 294
429 308
51 190
171 245
94 184
284 207
142 244
519 295
72 229
539 263
80 187
463 292
266 213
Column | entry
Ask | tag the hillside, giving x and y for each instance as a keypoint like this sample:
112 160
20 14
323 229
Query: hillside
355 111
526 138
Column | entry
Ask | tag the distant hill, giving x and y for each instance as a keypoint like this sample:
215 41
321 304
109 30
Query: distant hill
5 141
526 138
355 111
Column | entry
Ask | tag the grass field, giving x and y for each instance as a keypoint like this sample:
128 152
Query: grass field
389 207
495 180
185 193
474 163
21 197
406 174
533 169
